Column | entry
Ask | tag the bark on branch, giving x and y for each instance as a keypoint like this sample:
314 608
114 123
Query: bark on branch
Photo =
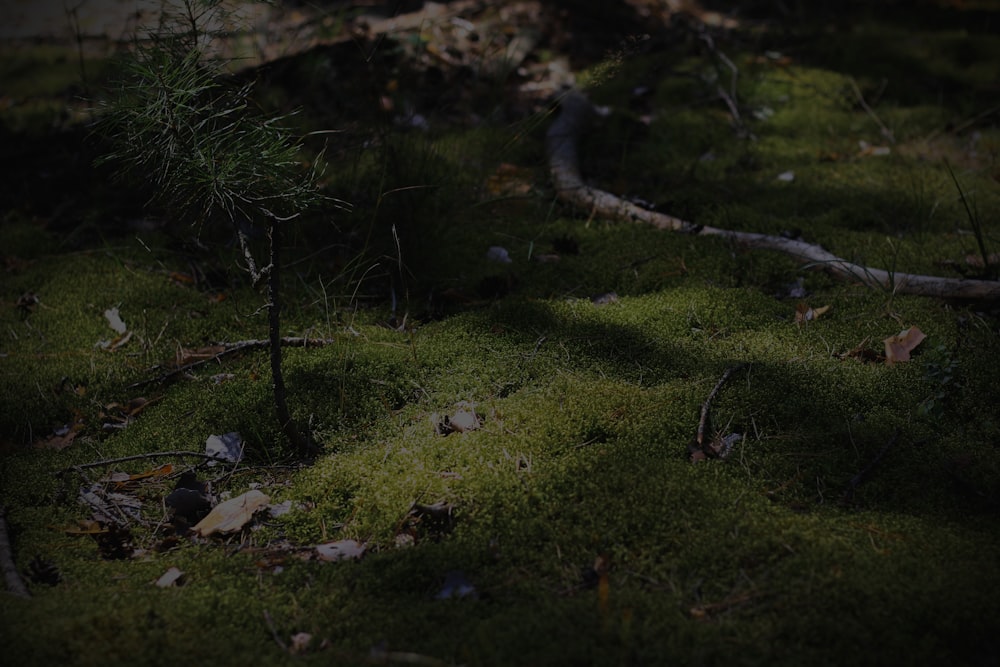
561 145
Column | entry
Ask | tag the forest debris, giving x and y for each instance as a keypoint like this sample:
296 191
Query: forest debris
898 347
225 448
189 360
115 321
561 147
803 313
232 515
171 577
718 447
462 420
340 550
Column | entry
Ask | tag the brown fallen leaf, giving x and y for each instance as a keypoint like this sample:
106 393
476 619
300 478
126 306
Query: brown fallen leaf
803 313
232 515
898 347
63 436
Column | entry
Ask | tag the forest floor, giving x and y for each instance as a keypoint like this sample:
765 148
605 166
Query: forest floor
548 438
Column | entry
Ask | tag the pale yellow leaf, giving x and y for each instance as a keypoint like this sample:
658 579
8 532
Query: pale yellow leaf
232 515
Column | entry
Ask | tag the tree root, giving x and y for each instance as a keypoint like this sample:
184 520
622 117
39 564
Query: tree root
561 142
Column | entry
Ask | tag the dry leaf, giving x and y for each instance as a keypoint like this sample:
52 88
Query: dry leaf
186 357
803 313
170 578
300 643
464 420
63 436
232 515
227 448
115 320
898 347
340 550
510 180
867 150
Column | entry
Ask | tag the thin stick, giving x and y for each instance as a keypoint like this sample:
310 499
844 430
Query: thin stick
136 457
703 422
274 631
857 480
15 584
232 348
886 132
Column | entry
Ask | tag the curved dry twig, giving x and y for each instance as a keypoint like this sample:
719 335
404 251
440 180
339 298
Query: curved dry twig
563 135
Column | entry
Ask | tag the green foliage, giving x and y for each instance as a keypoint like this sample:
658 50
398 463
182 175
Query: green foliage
176 120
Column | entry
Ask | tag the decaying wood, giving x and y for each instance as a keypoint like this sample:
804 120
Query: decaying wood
562 139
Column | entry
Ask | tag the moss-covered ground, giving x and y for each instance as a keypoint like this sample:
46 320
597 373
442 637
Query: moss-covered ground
855 522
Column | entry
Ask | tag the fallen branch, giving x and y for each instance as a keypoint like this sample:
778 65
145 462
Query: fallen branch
12 578
232 348
561 142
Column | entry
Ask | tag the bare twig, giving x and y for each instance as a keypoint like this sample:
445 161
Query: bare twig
886 132
136 457
12 578
274 631
699 446
233 348
562 150
858 480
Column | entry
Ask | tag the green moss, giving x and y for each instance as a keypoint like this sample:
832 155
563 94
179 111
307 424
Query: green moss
856 521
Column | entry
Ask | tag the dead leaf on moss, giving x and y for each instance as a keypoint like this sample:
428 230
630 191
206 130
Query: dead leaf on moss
898 347
62 437
804 313
122 480
299 644
185 357
232 515
462 420
117 416
867 150
340 550
171 577
226 448
510 180
115 321
85 527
